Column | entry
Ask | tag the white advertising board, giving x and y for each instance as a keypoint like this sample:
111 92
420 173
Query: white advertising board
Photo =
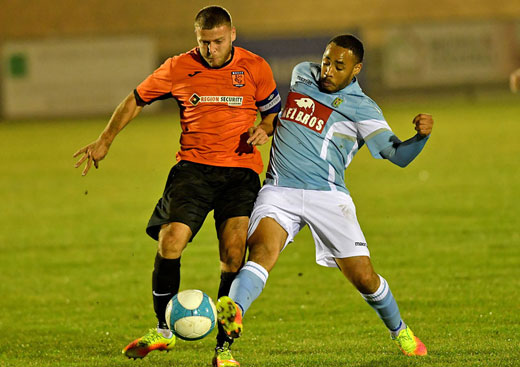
71 77
443 54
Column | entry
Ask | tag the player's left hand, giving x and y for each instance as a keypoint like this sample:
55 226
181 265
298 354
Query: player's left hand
423 124
257 136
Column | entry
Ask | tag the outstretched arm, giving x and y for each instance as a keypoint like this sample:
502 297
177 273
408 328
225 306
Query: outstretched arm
98 149
402 153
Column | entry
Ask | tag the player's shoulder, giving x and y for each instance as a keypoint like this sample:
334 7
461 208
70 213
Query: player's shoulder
305 72
368 109
189 57
244 55
305 67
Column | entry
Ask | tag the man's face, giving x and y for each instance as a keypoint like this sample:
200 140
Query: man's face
215 44
338 67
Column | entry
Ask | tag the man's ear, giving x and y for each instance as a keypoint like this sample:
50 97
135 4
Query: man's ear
357 68
233 34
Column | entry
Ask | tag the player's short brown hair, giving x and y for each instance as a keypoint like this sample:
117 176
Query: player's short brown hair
212 16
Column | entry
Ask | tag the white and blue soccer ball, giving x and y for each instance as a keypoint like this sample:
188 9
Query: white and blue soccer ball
191 314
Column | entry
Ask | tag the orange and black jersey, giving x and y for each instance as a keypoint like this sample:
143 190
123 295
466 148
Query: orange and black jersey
217 105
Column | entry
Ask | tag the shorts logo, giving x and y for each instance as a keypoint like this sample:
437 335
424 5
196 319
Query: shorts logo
229 100
238 78
360 244
305 111
337 102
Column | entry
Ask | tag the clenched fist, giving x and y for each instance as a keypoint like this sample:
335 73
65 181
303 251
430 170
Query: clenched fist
423 124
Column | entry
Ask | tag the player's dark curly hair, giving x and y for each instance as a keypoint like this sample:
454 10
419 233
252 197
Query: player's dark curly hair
351 43
212 16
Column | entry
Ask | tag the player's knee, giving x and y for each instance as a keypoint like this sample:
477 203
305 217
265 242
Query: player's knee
366 282
232 257
171 244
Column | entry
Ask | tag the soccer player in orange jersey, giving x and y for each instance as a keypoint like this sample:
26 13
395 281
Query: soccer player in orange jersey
220 89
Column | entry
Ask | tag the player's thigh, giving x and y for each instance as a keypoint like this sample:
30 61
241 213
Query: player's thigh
187 198
274 223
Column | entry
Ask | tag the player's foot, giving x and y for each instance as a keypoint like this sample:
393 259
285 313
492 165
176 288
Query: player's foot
153 340
230 316
223 357
409 343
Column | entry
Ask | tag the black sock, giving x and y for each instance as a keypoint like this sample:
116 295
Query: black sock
226 278
166 278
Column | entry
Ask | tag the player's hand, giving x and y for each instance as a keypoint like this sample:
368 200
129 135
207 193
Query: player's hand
257 136
514 81
92 153
423 124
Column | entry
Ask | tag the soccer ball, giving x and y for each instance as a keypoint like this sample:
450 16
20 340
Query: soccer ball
191 314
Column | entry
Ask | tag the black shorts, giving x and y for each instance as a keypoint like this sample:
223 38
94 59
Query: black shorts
194 189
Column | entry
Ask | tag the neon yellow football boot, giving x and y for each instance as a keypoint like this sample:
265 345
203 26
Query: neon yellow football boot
409 343
153 340
223 357
230 316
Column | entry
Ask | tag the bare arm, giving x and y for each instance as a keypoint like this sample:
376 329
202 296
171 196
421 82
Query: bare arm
260 134
128 109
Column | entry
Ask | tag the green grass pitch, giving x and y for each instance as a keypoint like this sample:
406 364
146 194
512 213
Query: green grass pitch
75 262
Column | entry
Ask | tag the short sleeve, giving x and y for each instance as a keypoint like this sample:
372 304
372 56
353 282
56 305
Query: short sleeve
373 128
265 84
158 85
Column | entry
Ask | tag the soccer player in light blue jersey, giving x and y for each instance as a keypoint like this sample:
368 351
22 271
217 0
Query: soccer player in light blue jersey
326 120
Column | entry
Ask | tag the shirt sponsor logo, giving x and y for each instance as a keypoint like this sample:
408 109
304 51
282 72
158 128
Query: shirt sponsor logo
229 100
305 103
238 78
194 99
306 112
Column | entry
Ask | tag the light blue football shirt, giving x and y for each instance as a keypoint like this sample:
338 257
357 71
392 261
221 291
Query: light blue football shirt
319 133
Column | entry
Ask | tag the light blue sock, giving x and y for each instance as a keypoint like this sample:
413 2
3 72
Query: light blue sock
383 302
248 285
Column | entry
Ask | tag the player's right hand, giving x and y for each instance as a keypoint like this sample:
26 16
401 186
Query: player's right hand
92 153
423 124
257 136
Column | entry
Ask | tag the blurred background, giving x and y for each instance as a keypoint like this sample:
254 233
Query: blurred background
75 58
